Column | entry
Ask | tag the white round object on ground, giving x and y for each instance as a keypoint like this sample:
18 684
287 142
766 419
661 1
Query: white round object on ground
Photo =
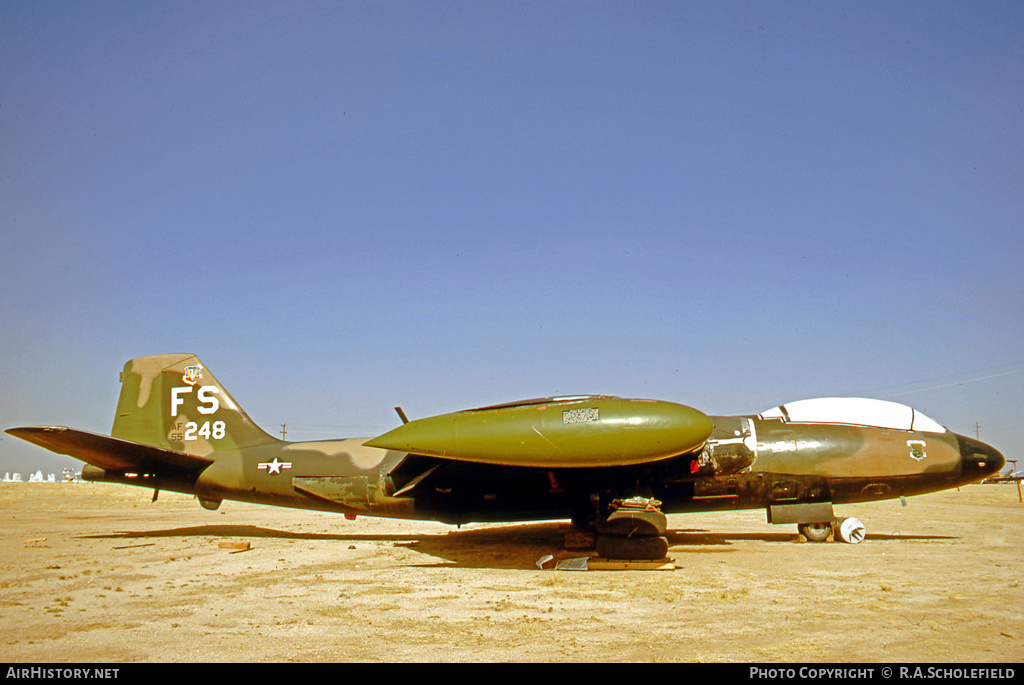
851 530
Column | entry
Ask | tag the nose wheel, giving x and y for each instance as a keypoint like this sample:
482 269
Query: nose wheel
815 532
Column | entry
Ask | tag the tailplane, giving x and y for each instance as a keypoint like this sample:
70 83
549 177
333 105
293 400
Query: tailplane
173 402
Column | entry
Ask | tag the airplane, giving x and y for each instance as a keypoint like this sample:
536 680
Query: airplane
615 465
1011 475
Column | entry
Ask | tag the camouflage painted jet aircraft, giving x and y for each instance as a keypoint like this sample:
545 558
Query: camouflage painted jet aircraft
618 465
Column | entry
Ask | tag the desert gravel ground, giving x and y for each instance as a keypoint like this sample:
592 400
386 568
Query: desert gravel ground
99 573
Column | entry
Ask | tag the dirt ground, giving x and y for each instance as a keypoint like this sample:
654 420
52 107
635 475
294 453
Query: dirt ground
99 573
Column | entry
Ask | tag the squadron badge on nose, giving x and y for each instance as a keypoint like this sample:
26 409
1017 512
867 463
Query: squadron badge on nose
917 452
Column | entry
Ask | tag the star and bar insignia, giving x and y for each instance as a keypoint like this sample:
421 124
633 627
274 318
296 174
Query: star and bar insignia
274 467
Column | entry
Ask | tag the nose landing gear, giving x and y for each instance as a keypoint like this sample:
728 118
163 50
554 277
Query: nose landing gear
848 530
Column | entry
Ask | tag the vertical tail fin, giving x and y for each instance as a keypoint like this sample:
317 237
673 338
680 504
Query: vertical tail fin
172 401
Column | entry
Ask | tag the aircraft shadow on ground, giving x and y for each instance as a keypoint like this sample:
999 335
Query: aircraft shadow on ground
500 547
504 547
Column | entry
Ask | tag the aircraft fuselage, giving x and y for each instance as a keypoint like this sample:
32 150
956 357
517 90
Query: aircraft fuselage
748 463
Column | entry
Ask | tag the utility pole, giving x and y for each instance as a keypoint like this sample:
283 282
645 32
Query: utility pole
977 430
283 431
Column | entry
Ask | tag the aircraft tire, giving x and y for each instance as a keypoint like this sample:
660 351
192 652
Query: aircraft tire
635 548
640 523
815 532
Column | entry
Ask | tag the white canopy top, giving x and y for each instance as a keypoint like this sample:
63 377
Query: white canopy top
857 411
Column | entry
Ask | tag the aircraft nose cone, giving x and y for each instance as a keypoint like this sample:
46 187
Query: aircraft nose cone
978 460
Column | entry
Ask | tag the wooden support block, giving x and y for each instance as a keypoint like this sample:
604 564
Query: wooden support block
599 564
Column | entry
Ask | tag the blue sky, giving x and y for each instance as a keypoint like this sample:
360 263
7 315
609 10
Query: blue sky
346 206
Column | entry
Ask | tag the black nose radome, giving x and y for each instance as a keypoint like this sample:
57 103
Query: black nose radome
978 460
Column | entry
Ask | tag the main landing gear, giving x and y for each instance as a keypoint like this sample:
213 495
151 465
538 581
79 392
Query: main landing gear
634 530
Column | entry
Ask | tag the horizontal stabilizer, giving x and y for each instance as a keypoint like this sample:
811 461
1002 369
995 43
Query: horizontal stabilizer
111 454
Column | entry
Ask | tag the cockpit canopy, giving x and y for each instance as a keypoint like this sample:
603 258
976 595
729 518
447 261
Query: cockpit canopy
857 411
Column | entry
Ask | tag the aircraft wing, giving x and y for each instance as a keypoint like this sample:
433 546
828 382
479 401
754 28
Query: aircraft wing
109 453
